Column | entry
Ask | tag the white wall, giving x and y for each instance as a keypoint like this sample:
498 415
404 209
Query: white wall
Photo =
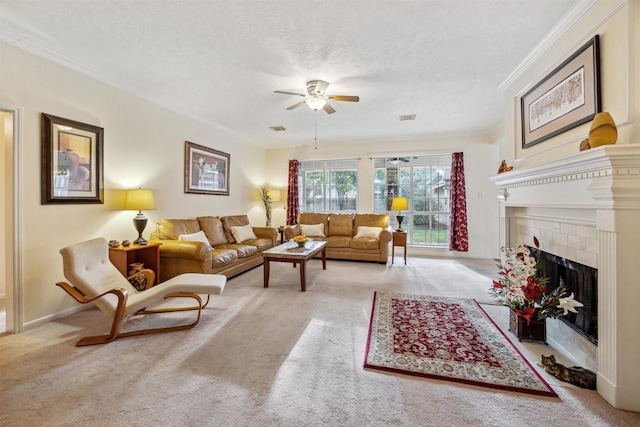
143 146
617 22
481 161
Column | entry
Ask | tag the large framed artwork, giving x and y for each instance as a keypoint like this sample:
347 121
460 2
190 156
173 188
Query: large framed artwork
72 161
567 97
206 171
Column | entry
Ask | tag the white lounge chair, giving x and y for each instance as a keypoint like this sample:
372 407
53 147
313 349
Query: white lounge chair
95 279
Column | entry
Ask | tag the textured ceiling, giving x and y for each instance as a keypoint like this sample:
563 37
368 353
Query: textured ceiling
221 60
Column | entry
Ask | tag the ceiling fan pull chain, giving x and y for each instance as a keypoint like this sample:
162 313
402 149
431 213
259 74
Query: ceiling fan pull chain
315 136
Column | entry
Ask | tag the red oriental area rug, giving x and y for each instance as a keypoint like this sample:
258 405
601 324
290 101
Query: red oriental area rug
446 338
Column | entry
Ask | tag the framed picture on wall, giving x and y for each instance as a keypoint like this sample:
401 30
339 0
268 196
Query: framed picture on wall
206 171
72 161
567 97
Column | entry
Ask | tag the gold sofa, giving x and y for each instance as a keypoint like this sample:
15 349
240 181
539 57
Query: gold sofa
216 252
343 231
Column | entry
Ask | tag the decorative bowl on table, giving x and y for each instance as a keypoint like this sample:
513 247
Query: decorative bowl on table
301 240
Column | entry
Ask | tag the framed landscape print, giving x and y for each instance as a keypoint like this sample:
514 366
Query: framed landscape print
206 171
567 97
72 161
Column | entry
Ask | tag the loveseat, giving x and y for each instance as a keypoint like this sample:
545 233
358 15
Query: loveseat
225 245
362 237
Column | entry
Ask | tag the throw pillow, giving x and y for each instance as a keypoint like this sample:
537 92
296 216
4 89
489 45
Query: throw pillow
312 230
242 233
195 237
370 232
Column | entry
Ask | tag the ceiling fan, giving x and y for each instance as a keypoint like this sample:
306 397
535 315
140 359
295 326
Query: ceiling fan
316 98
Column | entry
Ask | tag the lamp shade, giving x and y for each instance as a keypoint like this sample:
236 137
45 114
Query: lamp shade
139 200
274 195
399 204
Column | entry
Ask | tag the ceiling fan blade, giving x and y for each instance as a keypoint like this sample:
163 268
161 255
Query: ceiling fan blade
288 93
328 108
344 98
296 105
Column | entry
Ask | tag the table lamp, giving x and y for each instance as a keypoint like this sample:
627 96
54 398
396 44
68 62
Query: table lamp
274 195
137 200
399 204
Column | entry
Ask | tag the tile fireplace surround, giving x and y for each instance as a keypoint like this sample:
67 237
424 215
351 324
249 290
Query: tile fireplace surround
586 207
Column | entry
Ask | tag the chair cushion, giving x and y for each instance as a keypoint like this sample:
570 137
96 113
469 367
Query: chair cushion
242 232
213 229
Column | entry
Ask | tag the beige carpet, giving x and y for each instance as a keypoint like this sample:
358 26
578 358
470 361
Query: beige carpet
273 357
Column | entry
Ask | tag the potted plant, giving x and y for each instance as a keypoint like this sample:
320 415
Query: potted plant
524 291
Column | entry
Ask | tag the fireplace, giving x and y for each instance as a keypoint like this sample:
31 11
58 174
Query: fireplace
582 281
585 208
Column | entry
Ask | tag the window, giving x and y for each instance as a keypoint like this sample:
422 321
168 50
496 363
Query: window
424 181
328 185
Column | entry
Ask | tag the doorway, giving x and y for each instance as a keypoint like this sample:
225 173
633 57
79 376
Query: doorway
10 277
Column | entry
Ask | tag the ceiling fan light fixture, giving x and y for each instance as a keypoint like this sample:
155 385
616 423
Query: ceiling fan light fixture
316 103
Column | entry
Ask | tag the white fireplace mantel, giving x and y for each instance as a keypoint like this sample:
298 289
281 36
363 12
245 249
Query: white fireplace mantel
605 183
610 175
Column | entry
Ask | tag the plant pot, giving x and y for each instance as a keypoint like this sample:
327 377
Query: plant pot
523 329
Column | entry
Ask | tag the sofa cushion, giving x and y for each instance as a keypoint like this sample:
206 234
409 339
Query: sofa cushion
171 229
371 220
242 233
198 236
314 218
341 225
337 241
312 230
366 243
213 229
223 256
231 221
370 232
261 244
243 251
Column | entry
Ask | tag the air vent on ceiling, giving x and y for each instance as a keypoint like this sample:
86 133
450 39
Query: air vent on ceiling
277 128
407 117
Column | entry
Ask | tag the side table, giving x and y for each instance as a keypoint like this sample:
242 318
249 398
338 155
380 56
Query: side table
399 239
149 254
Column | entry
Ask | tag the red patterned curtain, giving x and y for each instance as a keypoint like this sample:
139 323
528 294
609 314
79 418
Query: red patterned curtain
458 233
293 209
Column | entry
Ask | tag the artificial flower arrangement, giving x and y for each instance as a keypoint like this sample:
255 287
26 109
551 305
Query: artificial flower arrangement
525 291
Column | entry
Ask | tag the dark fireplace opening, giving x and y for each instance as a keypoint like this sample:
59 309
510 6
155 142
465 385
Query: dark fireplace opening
580 279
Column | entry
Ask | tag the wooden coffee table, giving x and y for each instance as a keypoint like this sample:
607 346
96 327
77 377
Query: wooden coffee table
290 252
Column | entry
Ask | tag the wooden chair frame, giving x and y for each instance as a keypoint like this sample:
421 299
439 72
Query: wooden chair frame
119 315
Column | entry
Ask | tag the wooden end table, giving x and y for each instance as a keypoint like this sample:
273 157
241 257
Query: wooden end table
149 254
290 252
399 239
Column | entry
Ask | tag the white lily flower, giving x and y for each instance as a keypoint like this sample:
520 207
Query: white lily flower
568 304
513 276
